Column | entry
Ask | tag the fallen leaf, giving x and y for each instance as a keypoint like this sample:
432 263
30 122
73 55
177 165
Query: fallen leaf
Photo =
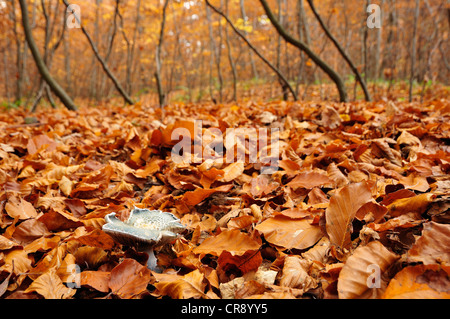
367 263
342 209
20 208
129 278
99 280
197 196
233 241
40 142
420 282
295 274
50 286
232 171
289 233
433 246
191 285
416 204
309 180
244 263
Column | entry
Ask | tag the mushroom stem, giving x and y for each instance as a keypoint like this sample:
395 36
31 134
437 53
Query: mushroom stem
152 262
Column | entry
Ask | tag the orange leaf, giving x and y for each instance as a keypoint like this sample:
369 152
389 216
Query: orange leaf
98 280
366 263
342 209
371 211
191 285
417 204
309 180
249 261
20 208
129 278
233 241
198 195
290 233
232 171
420 282
433 246
40 142
97 238
295 274
50 286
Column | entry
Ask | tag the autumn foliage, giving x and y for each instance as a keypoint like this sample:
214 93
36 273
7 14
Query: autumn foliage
358 207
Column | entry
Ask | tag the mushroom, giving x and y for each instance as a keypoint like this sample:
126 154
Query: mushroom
144 229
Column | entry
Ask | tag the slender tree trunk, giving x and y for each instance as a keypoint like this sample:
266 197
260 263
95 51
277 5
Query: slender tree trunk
365 35
218 61
161 93
19 60
43 70
413 50
105 67
274 69
230 59
341 51
130 57
5 70
252 60
315 58
212 46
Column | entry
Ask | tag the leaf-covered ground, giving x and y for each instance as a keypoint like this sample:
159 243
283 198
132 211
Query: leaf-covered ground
358 208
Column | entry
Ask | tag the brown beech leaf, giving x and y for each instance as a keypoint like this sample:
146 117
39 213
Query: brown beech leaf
433 246
295 274
50 286
371 212
249 261
365 264
420 282
191 285
99 280
97 238
40 142
197 196
20 208
5 243
29 230
129 278
417 204
290 233
309 180
90 256
342 209
233 241
232 171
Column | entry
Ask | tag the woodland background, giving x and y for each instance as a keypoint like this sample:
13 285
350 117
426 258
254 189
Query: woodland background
362 182
202 59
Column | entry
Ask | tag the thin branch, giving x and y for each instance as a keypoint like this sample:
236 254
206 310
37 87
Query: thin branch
105 67
280 75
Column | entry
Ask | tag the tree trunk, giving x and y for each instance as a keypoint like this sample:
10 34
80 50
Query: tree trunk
59 91
161 93
280 75
315 58
413 49
252 61
105 67
230 59
341 51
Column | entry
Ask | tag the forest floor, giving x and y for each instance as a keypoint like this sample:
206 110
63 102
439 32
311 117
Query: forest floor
358 206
